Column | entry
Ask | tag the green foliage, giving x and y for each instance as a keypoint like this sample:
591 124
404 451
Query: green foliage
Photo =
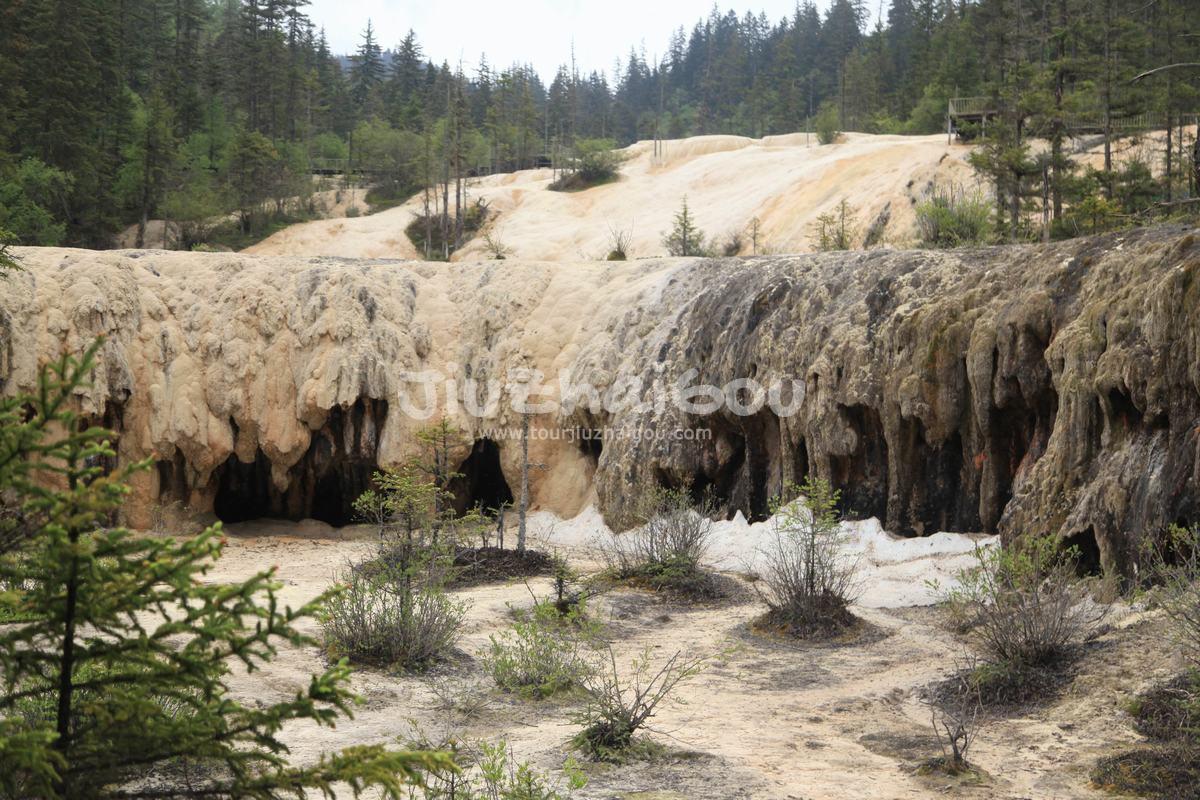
443 237
30 199
1023 605
544 653
835 230
593 162
328 145
809 579
118 662
491 772
393 611
951 217
8 262
826 123
685 238
392 157
1173 566
76 89
664 548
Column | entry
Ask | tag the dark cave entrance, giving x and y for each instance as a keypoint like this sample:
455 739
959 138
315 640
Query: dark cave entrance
1087 555
862 477
323 485
246 492
481 481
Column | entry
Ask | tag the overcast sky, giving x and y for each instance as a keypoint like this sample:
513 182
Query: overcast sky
534 31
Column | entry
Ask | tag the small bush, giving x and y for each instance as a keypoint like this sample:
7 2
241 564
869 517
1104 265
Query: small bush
954 218
619 707
732 245
808 578
619 244
836 229
495 245
955 717
1170 711
393 618
443 243
826 123
1168 773
352 212
1174 566
1024 605
542 655
666 549
594 162
490 771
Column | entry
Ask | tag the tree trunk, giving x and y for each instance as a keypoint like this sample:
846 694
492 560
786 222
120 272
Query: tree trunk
523 508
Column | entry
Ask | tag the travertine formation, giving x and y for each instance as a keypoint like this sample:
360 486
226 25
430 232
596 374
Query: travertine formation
1029 389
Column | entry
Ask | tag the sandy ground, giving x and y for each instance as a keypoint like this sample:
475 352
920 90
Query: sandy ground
766 720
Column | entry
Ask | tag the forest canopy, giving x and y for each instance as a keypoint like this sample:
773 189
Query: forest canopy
117 113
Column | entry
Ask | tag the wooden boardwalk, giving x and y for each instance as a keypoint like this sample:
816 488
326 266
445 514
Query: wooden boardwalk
968 117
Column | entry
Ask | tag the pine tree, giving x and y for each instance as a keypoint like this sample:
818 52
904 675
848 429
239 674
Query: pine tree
685 239
367 74
117 653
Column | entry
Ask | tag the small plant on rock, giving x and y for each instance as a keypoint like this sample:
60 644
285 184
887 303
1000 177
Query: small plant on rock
619 241
808 576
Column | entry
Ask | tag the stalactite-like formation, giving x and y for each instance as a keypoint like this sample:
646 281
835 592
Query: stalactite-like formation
1026 390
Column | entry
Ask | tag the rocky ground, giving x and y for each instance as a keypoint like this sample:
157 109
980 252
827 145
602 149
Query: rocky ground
767 719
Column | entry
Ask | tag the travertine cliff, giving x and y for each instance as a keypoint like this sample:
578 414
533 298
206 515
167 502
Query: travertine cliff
1051 388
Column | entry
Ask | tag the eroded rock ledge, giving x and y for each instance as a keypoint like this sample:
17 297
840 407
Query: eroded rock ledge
1049 388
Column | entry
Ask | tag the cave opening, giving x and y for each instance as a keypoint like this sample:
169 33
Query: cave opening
717 482
246 492
172 479
1124 413
480 482
1087 552
1018 435
591 444
323 485
862 476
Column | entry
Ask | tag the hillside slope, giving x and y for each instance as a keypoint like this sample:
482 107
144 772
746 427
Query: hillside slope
785 181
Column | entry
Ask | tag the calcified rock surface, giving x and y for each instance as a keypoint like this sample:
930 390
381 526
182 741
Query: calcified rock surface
1048 389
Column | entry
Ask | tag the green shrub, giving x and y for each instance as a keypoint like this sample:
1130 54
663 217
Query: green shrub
808 579
836 229
377 619
394 610
954 218
593 162
8 262
488 771
542 654
826 123
665 546
1025 604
